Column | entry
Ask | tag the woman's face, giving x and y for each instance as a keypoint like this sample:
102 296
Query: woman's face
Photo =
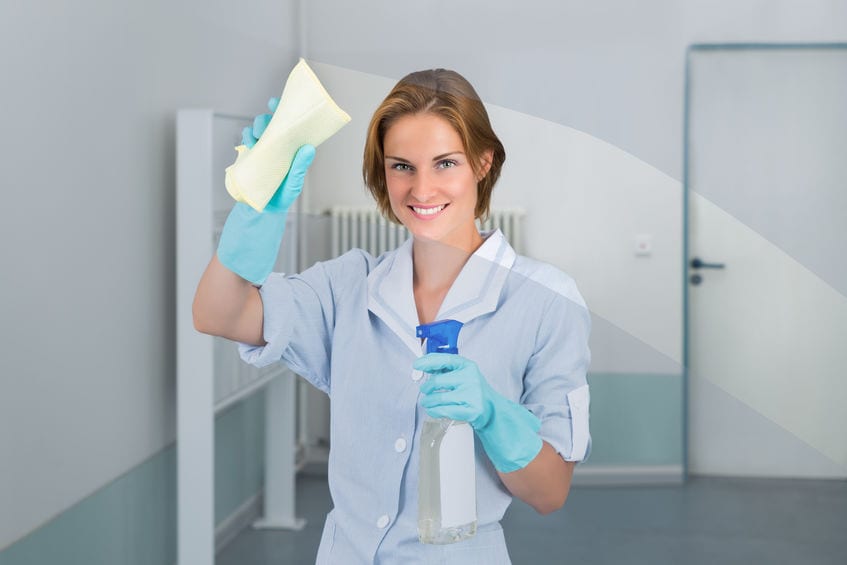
431 184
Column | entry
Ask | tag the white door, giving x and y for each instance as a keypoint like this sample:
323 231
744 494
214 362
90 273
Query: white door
766 154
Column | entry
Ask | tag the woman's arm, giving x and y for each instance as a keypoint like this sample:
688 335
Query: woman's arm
544 483
226 302
555 386
227 305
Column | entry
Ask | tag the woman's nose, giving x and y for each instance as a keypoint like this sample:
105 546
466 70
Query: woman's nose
424 187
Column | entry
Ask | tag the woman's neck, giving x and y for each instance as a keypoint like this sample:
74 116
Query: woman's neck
437 264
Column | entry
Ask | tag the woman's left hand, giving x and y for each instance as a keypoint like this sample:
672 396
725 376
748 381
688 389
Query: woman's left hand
457 390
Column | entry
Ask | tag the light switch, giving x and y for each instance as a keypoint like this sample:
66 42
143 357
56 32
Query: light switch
643 245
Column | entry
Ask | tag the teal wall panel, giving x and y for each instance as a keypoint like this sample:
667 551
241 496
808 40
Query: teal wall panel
636 420
132 520
239 455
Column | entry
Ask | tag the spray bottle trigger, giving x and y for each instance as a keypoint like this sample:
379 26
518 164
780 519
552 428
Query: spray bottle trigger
441 336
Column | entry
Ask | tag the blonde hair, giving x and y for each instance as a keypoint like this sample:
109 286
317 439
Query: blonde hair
446 94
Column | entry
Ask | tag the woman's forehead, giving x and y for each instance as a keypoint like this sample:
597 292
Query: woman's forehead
421 133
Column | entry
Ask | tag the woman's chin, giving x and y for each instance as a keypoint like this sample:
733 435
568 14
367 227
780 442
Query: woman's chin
426 233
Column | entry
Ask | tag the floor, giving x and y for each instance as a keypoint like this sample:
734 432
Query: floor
706 521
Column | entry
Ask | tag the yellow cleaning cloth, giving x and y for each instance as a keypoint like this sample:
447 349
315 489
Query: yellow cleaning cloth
305 115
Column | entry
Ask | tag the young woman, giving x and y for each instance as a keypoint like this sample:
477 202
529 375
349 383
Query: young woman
348 326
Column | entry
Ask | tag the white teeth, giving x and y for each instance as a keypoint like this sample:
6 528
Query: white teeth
428 211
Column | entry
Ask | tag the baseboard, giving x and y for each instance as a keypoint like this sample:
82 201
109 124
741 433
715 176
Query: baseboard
242 518
613 475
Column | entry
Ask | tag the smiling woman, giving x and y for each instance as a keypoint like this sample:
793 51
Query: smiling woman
348 326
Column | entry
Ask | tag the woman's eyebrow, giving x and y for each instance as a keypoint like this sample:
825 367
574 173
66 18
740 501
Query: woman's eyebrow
434 158
447 154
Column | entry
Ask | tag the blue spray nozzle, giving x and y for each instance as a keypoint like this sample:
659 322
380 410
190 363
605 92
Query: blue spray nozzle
441 336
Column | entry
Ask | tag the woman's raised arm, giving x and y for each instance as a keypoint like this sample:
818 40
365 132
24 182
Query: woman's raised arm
228 306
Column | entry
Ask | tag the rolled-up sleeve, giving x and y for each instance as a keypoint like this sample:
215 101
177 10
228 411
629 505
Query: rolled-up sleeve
299 316
555 383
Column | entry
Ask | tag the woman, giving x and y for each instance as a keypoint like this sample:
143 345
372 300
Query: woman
348 327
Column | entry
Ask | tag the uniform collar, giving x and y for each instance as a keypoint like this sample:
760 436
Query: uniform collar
476 291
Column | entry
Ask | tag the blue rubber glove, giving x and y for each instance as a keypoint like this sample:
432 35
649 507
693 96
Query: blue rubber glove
457 390
250 240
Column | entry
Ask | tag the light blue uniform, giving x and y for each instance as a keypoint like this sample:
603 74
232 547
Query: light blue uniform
348 327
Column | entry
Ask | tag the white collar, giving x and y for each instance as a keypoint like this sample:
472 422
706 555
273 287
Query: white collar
475 291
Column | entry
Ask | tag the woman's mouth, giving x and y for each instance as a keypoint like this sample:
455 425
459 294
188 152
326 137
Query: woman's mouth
429 212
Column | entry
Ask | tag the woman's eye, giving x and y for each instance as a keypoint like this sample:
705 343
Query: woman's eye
400 167
446 163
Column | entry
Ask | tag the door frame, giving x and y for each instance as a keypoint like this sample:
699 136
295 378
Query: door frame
693 48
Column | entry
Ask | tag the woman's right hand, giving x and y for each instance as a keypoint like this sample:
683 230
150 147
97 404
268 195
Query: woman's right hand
250 240
292 184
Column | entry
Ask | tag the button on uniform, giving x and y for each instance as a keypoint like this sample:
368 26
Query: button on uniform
400 445
383 521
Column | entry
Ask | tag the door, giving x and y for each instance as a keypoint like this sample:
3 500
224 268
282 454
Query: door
766 331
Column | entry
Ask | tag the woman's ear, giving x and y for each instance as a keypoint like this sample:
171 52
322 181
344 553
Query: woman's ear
485 162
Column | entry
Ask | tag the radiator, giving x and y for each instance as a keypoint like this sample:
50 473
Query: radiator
510 222
365 228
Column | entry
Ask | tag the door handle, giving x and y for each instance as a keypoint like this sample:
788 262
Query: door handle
698 263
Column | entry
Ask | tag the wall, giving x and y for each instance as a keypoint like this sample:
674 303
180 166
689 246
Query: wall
132 520
609 68
90 91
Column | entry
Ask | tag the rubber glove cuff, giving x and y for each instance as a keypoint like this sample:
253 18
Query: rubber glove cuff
510 437
250 240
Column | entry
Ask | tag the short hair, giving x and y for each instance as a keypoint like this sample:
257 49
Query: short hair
447 94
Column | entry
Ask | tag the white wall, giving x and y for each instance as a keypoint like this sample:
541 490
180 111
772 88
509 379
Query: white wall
89 95
610 68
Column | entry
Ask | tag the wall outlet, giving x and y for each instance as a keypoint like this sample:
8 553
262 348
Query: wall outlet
643 245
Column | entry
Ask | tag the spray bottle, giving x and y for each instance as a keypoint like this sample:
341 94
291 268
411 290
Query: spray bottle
447 478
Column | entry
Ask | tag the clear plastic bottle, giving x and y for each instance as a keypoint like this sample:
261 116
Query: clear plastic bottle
447 477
